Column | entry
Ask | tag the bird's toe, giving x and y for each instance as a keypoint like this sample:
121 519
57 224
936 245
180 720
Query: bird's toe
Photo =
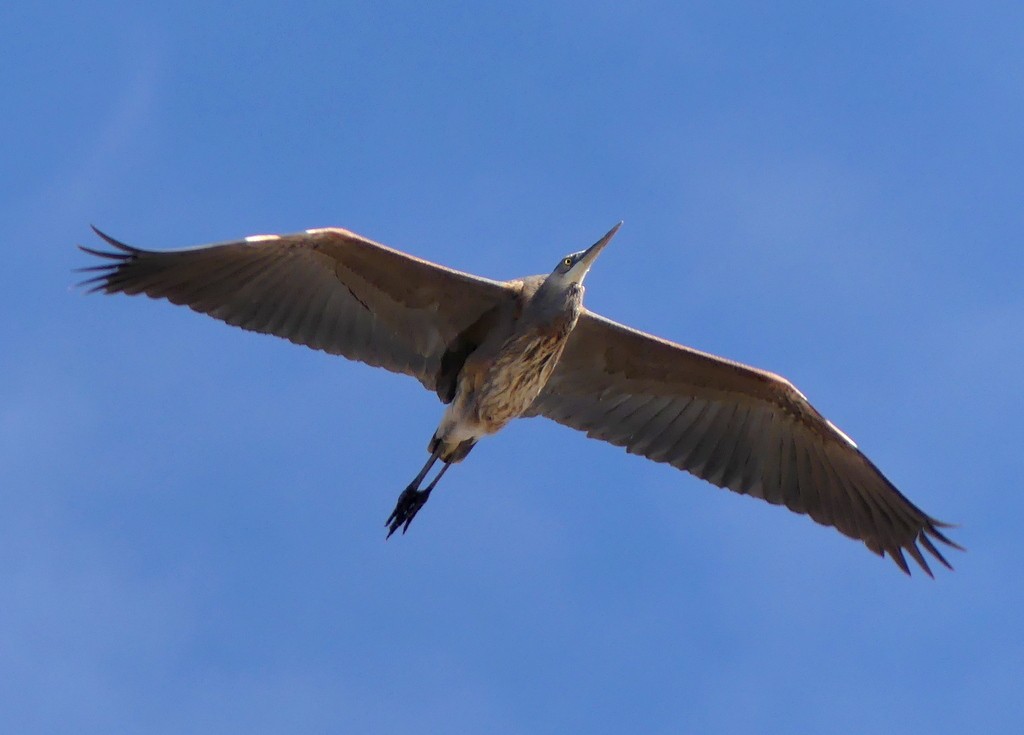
409 504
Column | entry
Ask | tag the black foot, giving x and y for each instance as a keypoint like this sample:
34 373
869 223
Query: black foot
409 504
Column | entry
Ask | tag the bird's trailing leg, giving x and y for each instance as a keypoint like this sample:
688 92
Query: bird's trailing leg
412 498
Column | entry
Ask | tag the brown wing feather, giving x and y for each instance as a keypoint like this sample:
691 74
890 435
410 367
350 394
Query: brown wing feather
738 427
327 289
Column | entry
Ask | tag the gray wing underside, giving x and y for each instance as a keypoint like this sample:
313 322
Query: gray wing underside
327 289
737 427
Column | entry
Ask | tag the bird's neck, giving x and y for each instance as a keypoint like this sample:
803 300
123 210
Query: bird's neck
555 307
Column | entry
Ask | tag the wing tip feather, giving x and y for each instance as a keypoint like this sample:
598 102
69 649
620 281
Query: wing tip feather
924 538
103 281
113 242
896 555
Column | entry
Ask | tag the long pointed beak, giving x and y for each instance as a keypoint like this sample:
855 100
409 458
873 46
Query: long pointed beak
594 250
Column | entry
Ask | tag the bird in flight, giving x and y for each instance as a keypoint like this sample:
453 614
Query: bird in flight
494 351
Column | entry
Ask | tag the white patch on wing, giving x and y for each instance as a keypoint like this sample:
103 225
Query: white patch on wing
797 391
336 232
261 238
841 433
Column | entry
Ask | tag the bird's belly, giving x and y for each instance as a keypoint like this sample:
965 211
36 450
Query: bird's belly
515 379
497 387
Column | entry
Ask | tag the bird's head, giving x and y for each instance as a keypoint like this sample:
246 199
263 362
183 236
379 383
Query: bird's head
573 268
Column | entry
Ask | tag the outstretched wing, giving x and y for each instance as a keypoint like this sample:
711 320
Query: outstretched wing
328 289
735 426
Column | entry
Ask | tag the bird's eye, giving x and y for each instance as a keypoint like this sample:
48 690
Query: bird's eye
567 262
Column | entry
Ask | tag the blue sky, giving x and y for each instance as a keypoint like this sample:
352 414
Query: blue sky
192 517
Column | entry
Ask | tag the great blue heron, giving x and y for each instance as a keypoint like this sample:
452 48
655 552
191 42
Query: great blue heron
494 351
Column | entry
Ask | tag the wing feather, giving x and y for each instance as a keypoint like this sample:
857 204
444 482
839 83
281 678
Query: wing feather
791 486
738 427
715 435
749 478
717 442
327 289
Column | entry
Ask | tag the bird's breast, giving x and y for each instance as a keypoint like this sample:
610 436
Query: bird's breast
518 373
